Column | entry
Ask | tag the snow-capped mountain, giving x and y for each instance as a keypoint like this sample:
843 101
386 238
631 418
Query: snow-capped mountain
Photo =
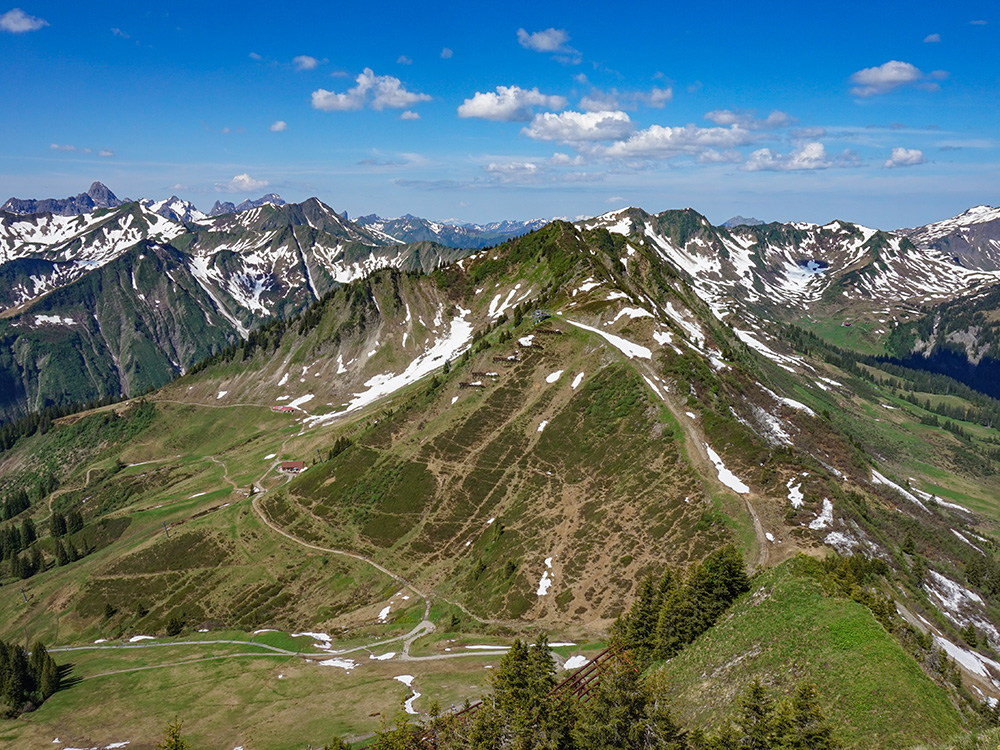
794 268
971 238
98 196
175 209
409 228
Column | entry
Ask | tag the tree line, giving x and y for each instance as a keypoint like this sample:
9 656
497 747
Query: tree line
26 678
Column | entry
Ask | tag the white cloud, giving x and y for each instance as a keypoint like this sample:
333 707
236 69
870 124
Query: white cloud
748 119
404 60
409 115
106 153
446 53
661 142
600 101
305 62
16 21
904 157
552 41
559 159
809 156
615 199
516 171
932 38
62 147
891 75
279 126
658 97
576 127
377 91
979 23
119 33
255 56
508 104
240 183
711 156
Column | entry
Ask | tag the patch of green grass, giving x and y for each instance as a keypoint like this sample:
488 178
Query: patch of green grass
786 631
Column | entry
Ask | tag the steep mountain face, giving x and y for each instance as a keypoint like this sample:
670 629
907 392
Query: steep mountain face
175 209
98 196
971 239
410 228
230 272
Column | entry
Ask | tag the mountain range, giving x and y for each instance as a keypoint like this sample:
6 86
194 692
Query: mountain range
494 441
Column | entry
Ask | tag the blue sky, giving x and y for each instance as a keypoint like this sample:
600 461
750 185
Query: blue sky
885 114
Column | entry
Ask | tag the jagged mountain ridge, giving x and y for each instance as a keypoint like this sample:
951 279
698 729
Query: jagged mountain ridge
409 228
97 196
232 272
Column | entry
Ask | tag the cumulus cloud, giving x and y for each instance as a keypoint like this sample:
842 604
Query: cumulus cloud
890 76
16 21
577 127
305 62
409 115
279 126
559 159
904 157
240 183
661 142
809 156
106 153
930 38
748 119
657 97
404 60
508 104
552 41
377 91
446 53
515 171
711 156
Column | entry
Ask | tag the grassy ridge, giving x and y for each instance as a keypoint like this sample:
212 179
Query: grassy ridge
785 631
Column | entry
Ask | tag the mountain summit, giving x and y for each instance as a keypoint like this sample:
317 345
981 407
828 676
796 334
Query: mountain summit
98 196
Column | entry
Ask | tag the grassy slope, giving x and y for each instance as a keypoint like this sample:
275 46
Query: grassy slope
786 631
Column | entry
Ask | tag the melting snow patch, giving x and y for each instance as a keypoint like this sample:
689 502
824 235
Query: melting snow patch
840 542
973 662
625 346
269 456
769 536
454 399
725 475
526 340
575 662
951 595
314 636
795 496
546 581
880 479
964 539
384 613
347 664
382 657
284 379
633 313
825 518
488 648
406 679
663 337
553 377
297 403
576 381
588 285
542 424
221 394
137 638
101 640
